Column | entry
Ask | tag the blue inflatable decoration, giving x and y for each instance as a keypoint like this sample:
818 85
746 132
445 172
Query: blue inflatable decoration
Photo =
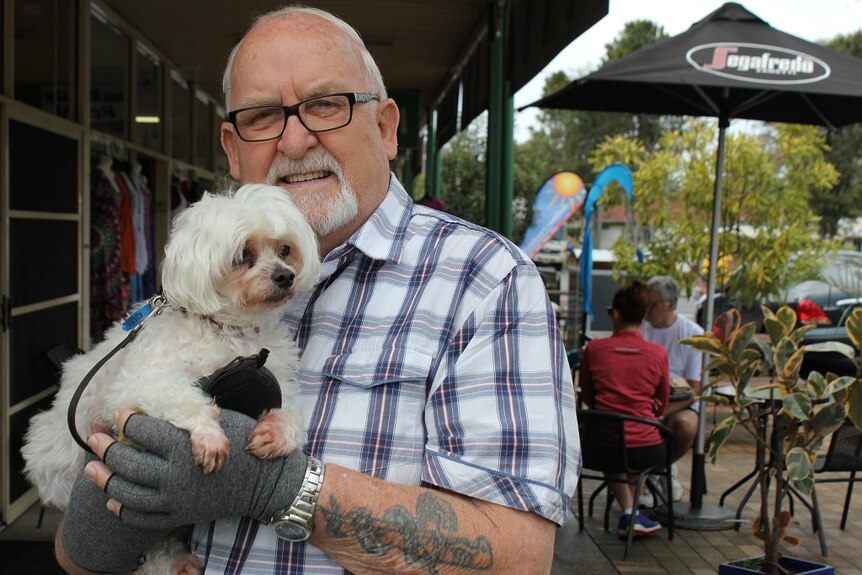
621 174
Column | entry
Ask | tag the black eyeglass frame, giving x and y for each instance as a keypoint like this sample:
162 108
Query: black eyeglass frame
352 97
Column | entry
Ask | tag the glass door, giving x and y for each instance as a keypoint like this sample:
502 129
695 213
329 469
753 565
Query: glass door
41 264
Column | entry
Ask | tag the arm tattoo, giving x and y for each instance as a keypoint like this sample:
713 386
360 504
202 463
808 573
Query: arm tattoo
427 539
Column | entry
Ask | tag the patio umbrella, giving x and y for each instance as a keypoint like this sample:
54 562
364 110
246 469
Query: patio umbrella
731 64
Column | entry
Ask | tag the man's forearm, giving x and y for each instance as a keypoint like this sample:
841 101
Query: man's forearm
371 526
63 560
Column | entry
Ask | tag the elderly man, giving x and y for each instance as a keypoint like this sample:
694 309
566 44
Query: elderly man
666 327
434 384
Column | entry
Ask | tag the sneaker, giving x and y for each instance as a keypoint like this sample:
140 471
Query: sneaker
646 499
643 525
676 487
677 490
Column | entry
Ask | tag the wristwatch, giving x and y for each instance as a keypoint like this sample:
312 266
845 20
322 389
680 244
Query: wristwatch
296 522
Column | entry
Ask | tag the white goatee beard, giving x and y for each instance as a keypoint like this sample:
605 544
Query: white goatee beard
325 213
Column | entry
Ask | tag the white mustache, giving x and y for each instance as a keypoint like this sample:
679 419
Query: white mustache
314 161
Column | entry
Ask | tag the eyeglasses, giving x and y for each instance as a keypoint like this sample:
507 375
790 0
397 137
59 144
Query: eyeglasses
318 114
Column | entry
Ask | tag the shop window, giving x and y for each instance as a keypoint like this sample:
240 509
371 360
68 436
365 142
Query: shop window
149 117
181 118
203 130
45 48
44 180
109 87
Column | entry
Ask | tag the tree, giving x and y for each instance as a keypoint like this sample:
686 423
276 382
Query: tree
463 179
564 139
768 238
844 200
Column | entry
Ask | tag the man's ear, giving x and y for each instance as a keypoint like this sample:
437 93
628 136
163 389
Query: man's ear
228 144
387 121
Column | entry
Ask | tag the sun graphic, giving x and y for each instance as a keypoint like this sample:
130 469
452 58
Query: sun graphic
567 185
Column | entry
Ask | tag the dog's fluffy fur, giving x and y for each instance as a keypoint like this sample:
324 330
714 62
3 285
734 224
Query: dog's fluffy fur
232 262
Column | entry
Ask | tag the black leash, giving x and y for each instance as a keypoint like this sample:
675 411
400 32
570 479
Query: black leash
133 325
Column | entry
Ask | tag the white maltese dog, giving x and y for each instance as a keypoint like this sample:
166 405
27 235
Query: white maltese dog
233 261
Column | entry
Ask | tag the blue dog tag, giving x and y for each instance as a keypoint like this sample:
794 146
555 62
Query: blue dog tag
137 317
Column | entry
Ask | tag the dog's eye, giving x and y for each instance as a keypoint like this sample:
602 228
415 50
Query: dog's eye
285 251
247 257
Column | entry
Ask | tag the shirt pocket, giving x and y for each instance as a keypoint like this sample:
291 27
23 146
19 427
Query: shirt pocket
370 368
375 411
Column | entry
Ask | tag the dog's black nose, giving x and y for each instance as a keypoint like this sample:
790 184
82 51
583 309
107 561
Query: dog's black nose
283 278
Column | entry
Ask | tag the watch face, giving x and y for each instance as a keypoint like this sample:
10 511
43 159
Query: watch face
291 531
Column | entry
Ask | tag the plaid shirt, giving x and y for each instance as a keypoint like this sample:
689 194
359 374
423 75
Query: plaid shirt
431 356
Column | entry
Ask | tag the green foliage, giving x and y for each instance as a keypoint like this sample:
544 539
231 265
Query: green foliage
463 180
765 219
844 200
809 410
565 139
635 35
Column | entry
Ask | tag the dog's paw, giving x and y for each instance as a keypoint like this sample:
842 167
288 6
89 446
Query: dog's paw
278 432
188 565
170 557
210 446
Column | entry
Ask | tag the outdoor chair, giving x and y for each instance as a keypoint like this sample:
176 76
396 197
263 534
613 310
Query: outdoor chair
603 448
843 455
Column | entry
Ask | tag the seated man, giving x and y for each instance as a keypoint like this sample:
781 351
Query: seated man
627 374
666 327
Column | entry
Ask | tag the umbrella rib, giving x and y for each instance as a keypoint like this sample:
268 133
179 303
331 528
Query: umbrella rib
757 99
817 111
710 104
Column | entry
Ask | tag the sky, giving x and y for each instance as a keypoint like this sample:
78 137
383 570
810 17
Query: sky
813 20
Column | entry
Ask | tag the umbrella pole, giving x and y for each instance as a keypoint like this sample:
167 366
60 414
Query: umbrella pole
700 516
698 464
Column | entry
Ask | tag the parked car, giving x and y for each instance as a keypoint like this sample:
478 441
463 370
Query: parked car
816 302
721 303
831 361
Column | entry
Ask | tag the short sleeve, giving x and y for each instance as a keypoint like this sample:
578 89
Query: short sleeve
501 414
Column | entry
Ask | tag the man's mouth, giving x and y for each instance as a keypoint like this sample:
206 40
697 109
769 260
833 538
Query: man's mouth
297 178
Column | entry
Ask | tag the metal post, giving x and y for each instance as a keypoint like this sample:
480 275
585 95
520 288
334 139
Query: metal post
493 171
431 156
700 516
507 138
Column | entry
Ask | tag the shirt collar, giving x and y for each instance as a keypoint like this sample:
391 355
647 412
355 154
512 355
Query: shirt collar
380 237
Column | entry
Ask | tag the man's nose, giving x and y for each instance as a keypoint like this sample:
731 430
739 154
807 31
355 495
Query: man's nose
296 139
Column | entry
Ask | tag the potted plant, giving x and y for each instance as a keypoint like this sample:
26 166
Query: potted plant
801 413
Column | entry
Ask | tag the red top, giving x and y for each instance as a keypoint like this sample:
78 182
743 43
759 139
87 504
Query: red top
625 373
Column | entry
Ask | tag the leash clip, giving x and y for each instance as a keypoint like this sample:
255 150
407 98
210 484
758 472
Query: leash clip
153 307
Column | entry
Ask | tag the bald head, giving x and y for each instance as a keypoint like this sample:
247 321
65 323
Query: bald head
372 71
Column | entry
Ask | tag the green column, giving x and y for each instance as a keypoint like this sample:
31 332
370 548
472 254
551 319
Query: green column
432 186
499 173
407 173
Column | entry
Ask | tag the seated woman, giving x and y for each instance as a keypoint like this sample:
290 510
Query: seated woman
625 373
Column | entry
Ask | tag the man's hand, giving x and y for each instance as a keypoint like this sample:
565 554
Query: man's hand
161 487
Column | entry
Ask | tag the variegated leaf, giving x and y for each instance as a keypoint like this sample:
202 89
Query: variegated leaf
854 327
787 317
828 419
719 436
837 346
739 341
797 405
798 464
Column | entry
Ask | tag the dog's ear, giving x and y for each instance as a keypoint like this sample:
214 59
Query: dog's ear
194 257
305 241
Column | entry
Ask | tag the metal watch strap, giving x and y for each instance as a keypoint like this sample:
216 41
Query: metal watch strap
301 511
